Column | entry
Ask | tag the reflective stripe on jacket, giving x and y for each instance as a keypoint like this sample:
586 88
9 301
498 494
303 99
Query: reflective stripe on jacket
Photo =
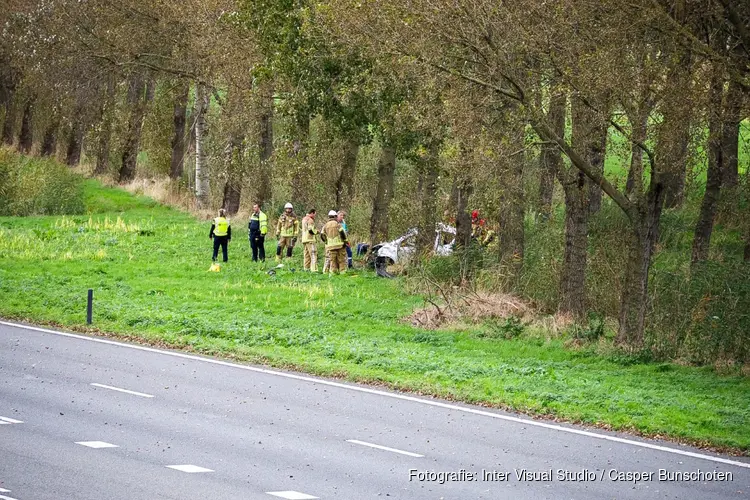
261 220
288 226
334 238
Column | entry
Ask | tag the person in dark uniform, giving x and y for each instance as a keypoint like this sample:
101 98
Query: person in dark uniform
221 233
257 229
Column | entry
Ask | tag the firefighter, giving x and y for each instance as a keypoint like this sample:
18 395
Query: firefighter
310 242
221 233
335 239
480 231
286 232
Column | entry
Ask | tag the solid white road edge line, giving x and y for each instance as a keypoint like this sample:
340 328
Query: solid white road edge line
379 447
403 397
123 390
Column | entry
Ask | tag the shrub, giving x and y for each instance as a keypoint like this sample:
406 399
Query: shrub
38 186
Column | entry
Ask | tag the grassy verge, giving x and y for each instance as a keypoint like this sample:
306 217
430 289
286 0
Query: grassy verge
148 266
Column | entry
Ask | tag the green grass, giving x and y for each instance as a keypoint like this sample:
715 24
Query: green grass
148 266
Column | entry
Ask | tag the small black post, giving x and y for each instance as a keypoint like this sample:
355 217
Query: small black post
89 306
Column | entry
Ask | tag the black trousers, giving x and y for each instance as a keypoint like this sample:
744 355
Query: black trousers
257 245
220 241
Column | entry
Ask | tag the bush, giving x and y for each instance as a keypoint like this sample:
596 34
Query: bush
704 317
38 186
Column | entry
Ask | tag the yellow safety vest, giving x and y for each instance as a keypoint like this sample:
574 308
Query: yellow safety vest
263 219
333 238
221 226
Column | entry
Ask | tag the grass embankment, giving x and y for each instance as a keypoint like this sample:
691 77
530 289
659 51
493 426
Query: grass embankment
148 266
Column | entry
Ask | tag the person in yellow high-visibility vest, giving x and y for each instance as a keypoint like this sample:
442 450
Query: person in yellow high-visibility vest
287 229
310 242
257 229
221 233
335 238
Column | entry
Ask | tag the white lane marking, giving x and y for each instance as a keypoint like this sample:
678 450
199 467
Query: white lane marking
123 390
2 490
403 397
189 468
3 497
97 444
6 420
394 450
291 495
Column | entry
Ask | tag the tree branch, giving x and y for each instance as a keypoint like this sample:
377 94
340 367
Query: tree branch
546 133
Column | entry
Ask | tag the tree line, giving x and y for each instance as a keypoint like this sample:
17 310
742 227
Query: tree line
491 105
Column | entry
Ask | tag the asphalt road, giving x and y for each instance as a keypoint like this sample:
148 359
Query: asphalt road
246 432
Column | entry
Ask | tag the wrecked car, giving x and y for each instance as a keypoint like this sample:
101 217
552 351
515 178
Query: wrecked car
402 249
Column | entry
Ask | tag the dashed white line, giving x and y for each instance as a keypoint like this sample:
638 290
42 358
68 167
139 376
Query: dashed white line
97 444
379 447
2 490
6 420
291 495
402 397
134 393
188 468
3 497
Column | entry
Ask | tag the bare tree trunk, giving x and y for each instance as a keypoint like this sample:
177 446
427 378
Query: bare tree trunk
597 155
704 226
731 134
383 195
26 136
233 186
429 175
9 125
575 187
137 99
345 182
463 219
73 154
575 257
512 209
49 143
635 174
104 132
550 160
202 194
674 133
299 193
179 117
264 189
634 297
676 167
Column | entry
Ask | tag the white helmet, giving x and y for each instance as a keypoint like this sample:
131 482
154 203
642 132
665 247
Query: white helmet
332 213
288 205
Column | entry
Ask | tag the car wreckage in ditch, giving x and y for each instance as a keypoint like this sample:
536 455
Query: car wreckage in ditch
402 249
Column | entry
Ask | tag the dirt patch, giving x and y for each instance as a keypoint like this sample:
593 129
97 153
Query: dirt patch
468 307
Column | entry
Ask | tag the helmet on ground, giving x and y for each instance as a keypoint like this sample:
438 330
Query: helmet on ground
288 205
332 213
